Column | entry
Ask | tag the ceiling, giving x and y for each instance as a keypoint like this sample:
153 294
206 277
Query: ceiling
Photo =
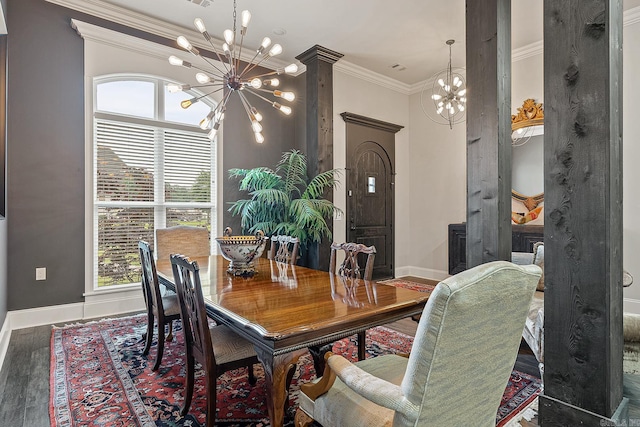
410 35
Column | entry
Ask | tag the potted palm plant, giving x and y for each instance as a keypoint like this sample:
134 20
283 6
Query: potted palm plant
284 200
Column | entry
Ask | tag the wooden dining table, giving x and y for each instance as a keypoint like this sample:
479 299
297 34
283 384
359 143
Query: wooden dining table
284 309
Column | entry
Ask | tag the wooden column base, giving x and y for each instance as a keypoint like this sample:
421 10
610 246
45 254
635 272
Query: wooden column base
554 412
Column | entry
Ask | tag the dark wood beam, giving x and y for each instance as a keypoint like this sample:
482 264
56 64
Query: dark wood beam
583 212
488 45
319 148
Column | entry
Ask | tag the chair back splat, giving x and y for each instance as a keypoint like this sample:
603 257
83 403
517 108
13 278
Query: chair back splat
284 249
165 308
350 267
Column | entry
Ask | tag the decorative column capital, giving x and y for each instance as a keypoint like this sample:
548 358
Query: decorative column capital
320 53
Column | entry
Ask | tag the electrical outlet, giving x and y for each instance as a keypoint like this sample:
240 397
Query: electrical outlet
41 273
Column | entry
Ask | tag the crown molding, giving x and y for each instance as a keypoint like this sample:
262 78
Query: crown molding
142 22
362 73
116 39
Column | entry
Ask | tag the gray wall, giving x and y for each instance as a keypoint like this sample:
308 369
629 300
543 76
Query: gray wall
46 152
281 133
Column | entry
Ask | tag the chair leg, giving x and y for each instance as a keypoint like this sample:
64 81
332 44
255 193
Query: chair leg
160 349
252 377
211 400
362 345
170 336
149 335
302 419
188 389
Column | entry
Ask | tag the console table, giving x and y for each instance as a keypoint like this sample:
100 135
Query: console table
523 239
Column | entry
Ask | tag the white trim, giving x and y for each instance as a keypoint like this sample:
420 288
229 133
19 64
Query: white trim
630 305
372 77
524 52
108 304
426 273
5 337
148 24
40 316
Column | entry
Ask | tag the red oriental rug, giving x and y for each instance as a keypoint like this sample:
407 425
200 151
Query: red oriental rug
99 377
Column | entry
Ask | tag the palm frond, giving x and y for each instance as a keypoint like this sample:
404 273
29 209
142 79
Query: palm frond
293 167
320 183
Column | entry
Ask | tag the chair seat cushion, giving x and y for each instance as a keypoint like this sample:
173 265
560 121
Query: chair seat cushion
171 305
229 346
341 406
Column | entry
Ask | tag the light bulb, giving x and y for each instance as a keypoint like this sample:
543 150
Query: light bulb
436 97
228 37
204 123
456 80
440 104
447 88
188 103
463 99
246 17
459 83
273 82
291 68
174 60
256 83
184 43
256 114
174 87
460 107
441 82
259 138
289 96
448 105
286 110
200 25
462 92
452 111
439 110
266 42
256 126
202 78
276 49
226 49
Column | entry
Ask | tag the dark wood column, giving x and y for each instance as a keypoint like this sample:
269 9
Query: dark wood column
488 46
319 148
583 212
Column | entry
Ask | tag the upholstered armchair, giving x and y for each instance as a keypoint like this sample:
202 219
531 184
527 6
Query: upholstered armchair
469 334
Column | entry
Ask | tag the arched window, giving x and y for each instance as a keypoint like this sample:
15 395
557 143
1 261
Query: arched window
153 168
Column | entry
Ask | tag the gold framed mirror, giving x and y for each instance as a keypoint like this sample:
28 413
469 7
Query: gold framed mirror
527 163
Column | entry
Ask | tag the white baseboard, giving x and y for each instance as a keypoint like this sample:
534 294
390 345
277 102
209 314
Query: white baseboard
5 337
95 306
631 305
426 273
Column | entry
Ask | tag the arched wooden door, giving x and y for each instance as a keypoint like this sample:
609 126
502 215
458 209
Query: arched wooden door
370 188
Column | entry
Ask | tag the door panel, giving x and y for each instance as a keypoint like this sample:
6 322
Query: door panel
370 204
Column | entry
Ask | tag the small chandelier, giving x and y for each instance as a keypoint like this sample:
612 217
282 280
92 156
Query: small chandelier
449 94
231 76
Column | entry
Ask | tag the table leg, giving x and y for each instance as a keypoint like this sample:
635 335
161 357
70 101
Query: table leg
276 370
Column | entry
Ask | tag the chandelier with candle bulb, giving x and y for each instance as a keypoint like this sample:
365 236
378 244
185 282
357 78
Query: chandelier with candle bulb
448 95
232 75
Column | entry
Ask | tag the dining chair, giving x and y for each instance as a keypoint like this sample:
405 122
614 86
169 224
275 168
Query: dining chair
182 239
350 268
284 249
163 308
469 334
216 347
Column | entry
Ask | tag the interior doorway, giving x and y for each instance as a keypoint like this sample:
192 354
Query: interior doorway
370 173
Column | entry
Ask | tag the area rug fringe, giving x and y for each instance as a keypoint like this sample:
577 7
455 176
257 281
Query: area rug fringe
527 414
